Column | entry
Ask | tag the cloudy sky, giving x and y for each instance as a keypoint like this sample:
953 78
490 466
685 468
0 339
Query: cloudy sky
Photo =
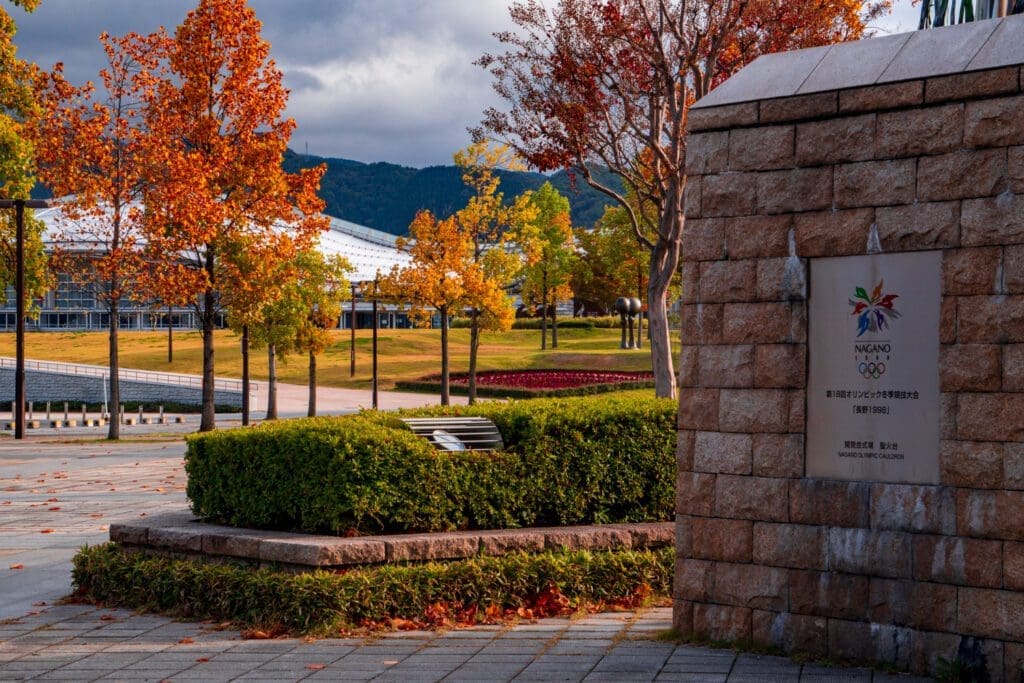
371 80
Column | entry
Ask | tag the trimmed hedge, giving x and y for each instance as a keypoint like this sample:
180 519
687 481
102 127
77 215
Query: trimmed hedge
432 385
607 321
319 602
585 323
566 461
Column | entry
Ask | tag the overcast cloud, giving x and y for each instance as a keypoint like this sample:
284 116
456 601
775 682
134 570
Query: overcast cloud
371 80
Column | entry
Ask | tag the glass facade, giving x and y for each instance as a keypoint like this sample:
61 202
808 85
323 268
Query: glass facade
70 294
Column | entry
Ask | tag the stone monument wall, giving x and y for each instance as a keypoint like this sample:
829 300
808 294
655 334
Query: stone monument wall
868 570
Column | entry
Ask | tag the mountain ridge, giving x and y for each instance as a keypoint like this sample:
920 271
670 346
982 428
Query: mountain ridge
386 196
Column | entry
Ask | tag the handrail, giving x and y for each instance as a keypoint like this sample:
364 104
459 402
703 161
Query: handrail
149 376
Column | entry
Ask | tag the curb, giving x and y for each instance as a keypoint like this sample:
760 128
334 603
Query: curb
182 532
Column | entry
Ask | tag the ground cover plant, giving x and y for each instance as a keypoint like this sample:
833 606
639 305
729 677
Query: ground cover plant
403 354
537 383
474 590
600 459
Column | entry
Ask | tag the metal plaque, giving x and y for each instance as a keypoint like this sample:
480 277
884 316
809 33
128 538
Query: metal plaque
873 385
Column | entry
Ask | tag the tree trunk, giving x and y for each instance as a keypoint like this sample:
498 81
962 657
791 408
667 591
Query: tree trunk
245 375
311 411
445 395
474 346
640 317
554 324
664 261
271 383
544 312
114 425
208 420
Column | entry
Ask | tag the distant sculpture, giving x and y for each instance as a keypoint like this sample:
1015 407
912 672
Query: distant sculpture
628 308
622 308
635 307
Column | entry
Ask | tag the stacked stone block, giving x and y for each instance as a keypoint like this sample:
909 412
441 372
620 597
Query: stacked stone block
55 386
906 574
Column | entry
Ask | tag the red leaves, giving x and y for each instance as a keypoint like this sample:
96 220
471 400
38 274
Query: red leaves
553 379
550 603
265 634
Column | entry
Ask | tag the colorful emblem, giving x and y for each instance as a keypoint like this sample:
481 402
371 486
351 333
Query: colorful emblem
876 312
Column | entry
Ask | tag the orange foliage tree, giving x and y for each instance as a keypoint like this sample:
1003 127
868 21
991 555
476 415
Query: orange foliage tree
442 276
218 137
609 83
90 147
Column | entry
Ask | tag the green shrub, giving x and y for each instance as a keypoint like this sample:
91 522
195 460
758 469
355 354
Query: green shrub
432 385
566 461
606 321
587 323
321 601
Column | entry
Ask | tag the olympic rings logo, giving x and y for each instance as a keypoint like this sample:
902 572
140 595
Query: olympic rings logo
871 370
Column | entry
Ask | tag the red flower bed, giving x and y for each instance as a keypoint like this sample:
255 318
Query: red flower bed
552 379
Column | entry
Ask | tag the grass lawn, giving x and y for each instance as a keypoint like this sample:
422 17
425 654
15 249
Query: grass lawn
403 354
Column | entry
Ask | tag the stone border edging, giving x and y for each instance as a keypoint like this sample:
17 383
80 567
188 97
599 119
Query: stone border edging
183 533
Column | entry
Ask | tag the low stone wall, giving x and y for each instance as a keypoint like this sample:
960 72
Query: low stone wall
53 386
182 533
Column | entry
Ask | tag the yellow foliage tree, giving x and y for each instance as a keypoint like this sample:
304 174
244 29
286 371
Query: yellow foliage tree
547 241
18 109
488 222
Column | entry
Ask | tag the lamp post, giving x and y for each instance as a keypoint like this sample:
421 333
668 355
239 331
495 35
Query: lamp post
19 206
376 324
352 326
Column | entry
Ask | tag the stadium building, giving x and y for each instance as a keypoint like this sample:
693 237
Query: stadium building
71 306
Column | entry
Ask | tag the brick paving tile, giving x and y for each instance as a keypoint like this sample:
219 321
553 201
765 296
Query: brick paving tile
697 667
97 484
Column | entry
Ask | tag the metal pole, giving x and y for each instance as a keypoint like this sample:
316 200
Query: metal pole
19 292
376 322
352 327
245 375
19 206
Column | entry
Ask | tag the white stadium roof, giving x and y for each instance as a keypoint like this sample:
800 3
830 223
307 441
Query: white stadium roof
369 251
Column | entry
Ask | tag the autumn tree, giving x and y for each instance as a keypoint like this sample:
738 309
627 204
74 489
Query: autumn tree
608 264
441 277
90 148
18 109
547 241
489 222
609 83
294 315
321 287
260 278
216 125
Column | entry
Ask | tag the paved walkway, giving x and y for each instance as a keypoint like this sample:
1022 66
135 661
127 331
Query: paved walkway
292 401
55 497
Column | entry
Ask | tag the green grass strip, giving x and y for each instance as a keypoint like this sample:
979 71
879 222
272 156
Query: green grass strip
320 602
